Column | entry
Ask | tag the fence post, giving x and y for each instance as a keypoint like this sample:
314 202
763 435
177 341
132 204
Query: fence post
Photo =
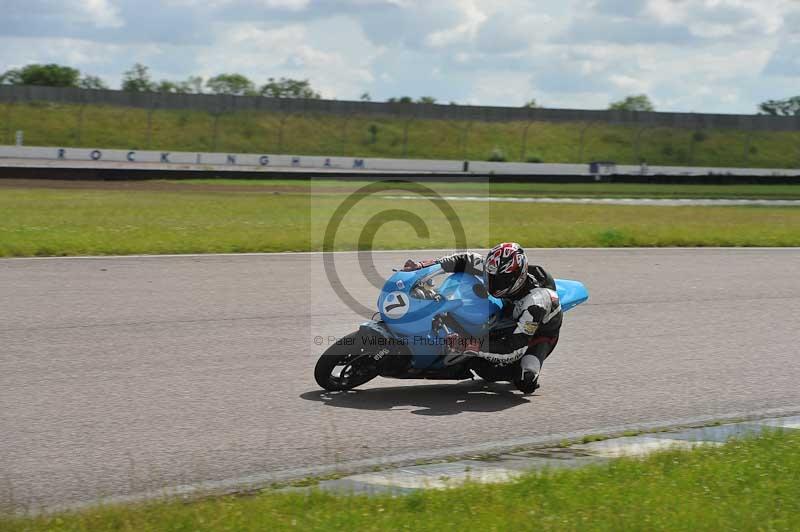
748 141
638 144
215 129
698 135
8 119
798 155
465 138
150 123
283 120
405 136
583 138
344 133
81 109
693 140
524 149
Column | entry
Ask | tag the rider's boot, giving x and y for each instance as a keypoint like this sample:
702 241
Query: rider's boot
528 380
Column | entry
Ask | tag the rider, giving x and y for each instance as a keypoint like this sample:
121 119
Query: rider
530 299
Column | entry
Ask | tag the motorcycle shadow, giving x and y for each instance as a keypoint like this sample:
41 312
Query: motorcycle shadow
444 399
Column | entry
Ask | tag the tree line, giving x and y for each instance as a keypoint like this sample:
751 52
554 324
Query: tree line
138 79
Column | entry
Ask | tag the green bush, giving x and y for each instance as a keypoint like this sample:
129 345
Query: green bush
497 156
373 133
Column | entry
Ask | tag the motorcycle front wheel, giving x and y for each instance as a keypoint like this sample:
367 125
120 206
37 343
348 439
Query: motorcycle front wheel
346 365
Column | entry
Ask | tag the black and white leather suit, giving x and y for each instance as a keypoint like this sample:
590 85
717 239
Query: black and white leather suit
532 316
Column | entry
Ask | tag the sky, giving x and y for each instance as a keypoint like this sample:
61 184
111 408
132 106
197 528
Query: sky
721 56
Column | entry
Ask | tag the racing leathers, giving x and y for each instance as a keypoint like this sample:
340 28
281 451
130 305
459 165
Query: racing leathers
533 313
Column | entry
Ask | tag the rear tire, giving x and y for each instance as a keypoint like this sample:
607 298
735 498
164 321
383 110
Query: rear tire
347 364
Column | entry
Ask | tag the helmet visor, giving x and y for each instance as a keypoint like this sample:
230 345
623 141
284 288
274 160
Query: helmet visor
503 285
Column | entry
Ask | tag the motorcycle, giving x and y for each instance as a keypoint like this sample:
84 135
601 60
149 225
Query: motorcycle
408 336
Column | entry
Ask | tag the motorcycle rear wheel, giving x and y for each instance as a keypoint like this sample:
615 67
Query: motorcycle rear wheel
344 367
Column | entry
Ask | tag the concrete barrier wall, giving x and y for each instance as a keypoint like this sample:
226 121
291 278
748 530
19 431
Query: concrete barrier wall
15 156
224 104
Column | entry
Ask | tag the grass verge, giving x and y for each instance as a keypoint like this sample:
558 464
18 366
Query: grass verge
551 190
70 125
744 485
43 222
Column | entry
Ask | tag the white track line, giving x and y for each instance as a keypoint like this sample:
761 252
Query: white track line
646 202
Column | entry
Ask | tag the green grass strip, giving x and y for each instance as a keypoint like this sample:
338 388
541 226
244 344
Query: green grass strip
748 484
551 190
44 222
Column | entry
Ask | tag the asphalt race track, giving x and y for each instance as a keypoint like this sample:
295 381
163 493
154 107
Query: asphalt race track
120 376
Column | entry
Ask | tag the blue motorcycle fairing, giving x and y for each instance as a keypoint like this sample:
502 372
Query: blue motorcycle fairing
410 315
479 312
571 293
409 319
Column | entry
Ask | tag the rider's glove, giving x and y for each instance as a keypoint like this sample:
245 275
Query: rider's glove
411 265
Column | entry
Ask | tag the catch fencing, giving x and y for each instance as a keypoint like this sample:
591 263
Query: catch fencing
251 124
219 103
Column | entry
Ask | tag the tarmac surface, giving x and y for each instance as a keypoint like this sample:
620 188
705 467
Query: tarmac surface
122 376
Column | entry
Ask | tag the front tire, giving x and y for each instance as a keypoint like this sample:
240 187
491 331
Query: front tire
346 365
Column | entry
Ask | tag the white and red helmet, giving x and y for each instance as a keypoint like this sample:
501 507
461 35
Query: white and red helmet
505 269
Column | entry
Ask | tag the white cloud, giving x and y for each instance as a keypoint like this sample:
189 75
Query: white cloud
715 55
260 53
465 30
293 5
629 83
100 59
102 12
721 18
515 90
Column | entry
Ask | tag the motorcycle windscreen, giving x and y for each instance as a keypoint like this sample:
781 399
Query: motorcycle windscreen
571 293
479 311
